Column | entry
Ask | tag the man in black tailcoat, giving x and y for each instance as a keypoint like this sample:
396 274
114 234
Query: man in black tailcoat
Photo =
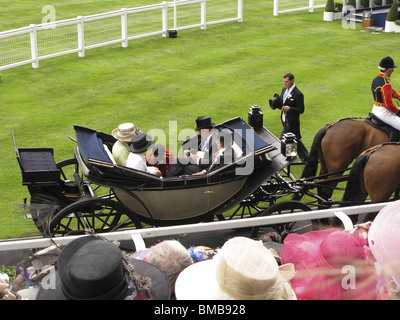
291 103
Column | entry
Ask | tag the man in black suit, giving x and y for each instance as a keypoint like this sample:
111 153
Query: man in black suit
201 146
292 106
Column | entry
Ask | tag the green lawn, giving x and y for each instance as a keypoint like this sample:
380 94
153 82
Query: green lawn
220 71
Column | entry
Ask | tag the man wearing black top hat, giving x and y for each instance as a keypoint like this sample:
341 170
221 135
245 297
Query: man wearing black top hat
291 103
199 148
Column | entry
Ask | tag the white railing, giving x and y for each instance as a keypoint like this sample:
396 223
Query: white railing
53 39
284 6
198 227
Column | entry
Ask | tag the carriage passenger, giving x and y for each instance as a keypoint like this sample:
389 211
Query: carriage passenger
124 133
225 153
139 144
383 94
204 147
159 157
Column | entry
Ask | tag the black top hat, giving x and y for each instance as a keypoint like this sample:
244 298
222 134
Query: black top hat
275 102
91 268
204 123
141 143
387 63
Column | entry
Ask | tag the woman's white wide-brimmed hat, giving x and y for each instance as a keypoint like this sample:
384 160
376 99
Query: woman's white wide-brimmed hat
243 269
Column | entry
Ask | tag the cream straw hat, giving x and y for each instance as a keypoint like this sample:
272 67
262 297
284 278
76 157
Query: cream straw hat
125 132
242 270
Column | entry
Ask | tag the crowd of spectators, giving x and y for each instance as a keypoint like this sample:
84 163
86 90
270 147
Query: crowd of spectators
328 264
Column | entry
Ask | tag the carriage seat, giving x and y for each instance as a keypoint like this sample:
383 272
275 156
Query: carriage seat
374 121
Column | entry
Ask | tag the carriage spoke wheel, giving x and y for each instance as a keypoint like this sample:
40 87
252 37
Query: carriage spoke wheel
69 168
92 216
252 206
284 229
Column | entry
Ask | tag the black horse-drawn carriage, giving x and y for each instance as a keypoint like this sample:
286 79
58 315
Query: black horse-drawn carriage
91 193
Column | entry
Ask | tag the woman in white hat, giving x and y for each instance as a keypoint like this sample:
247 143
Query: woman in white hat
243 269
124 133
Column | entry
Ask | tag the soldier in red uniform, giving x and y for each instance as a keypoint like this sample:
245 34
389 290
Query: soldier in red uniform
383 93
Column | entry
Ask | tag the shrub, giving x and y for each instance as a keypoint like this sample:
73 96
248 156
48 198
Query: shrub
351 3
393 13
379 2
364 4
338 7
330 6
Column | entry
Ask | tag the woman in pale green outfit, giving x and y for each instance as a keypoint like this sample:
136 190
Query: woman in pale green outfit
124 133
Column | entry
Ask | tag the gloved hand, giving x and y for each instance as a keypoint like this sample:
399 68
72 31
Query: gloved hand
6 293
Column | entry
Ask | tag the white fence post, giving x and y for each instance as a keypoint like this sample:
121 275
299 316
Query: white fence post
81 37
124 27
276 8
240 10
203 14
34 47
311 5
175 18
165 19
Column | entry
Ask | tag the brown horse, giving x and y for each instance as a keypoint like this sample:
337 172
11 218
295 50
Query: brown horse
336 145
376 172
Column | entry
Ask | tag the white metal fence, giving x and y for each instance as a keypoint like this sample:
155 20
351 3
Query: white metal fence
285 6
48 40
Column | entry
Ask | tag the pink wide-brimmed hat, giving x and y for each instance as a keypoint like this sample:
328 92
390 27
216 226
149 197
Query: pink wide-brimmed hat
384 239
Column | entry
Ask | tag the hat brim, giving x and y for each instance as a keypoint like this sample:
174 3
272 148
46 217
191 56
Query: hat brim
149 143
115 134
160 286
211 126
199 282
275 102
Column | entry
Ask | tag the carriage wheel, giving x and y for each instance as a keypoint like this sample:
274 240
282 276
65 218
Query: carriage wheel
252 206
284 229
92 216
262 198
69 167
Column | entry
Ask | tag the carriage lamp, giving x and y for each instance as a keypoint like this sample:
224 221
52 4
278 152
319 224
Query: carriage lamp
289 145
256 117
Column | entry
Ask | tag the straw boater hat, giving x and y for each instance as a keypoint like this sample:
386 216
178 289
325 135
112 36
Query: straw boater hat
243 269
91 268
125 132
384 239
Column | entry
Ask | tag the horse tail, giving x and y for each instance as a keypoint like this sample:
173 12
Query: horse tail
355 175
311 166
